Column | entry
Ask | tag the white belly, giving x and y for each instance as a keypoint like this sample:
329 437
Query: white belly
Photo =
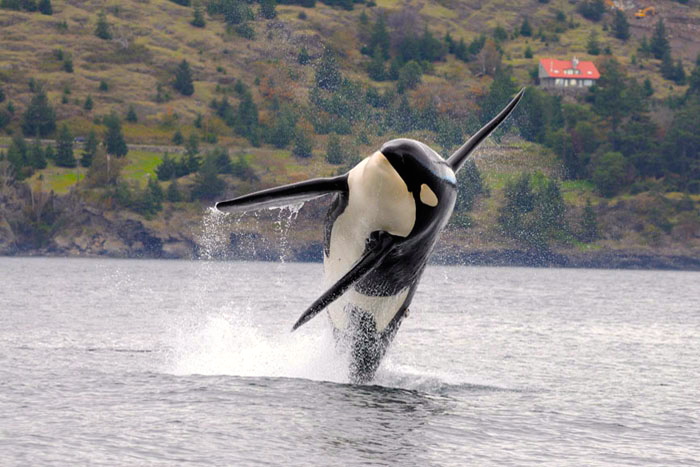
378 200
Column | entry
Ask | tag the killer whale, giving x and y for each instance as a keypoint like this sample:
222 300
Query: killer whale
385 218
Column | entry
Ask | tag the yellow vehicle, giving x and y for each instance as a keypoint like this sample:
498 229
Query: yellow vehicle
644 12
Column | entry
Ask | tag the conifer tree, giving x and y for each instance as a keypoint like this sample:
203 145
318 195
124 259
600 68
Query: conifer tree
267 9
103 28
64 148
376 69
207 184
335 153
172 194
166 169
183 79
621 28
380 39
88 105
114 140
303 57
593 46
191 160
178 139
156 193
45 7
37 158
90 149
303 144
198 20
694 79
39 118
589 223
328 73
131 115
525 28
659 46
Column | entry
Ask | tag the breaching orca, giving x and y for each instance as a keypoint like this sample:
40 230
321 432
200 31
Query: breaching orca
386 216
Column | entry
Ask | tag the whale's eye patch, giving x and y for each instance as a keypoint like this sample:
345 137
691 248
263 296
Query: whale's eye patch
427 196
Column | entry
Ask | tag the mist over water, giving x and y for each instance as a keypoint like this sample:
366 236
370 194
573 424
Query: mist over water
114 362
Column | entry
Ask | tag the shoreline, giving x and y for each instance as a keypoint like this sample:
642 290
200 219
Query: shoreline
605 259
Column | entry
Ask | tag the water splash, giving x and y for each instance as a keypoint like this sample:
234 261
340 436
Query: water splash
225 344
286 216
214 239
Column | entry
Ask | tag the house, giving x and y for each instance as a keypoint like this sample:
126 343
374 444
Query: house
561 74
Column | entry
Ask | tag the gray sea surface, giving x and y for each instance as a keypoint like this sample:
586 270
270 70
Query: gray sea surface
137 362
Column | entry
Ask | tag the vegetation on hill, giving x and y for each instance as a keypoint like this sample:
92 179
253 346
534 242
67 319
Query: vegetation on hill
260 93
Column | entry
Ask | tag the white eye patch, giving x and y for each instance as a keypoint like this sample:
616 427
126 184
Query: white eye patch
427 196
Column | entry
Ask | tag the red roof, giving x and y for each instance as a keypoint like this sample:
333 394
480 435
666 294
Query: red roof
555 69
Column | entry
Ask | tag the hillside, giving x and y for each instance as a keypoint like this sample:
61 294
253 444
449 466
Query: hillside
272 65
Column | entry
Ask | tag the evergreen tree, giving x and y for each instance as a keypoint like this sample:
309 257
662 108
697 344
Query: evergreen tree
303 144
173 194
198 20
589 223
207 185
103 28
45 7
327 73
409 76
694 80
18 156
303 57
114 140
178 139
282 131
609 172
379 39
528 52
88 105
246 122
471 185
659 46
609 95
376 69
620 27
267 9
648 89
156 193
679 73
64 148
593 46
191 159
90 149
103 87
222 160
166 169
2 95
39 119
335 153
644 48
131 116
183 79
592 9
37 157
525 28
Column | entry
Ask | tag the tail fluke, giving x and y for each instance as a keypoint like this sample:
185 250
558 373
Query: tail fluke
460 156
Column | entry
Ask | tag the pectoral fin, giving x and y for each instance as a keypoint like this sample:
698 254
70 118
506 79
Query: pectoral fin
378 247
285 195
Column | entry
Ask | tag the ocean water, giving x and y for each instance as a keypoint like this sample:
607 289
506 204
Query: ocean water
137 362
